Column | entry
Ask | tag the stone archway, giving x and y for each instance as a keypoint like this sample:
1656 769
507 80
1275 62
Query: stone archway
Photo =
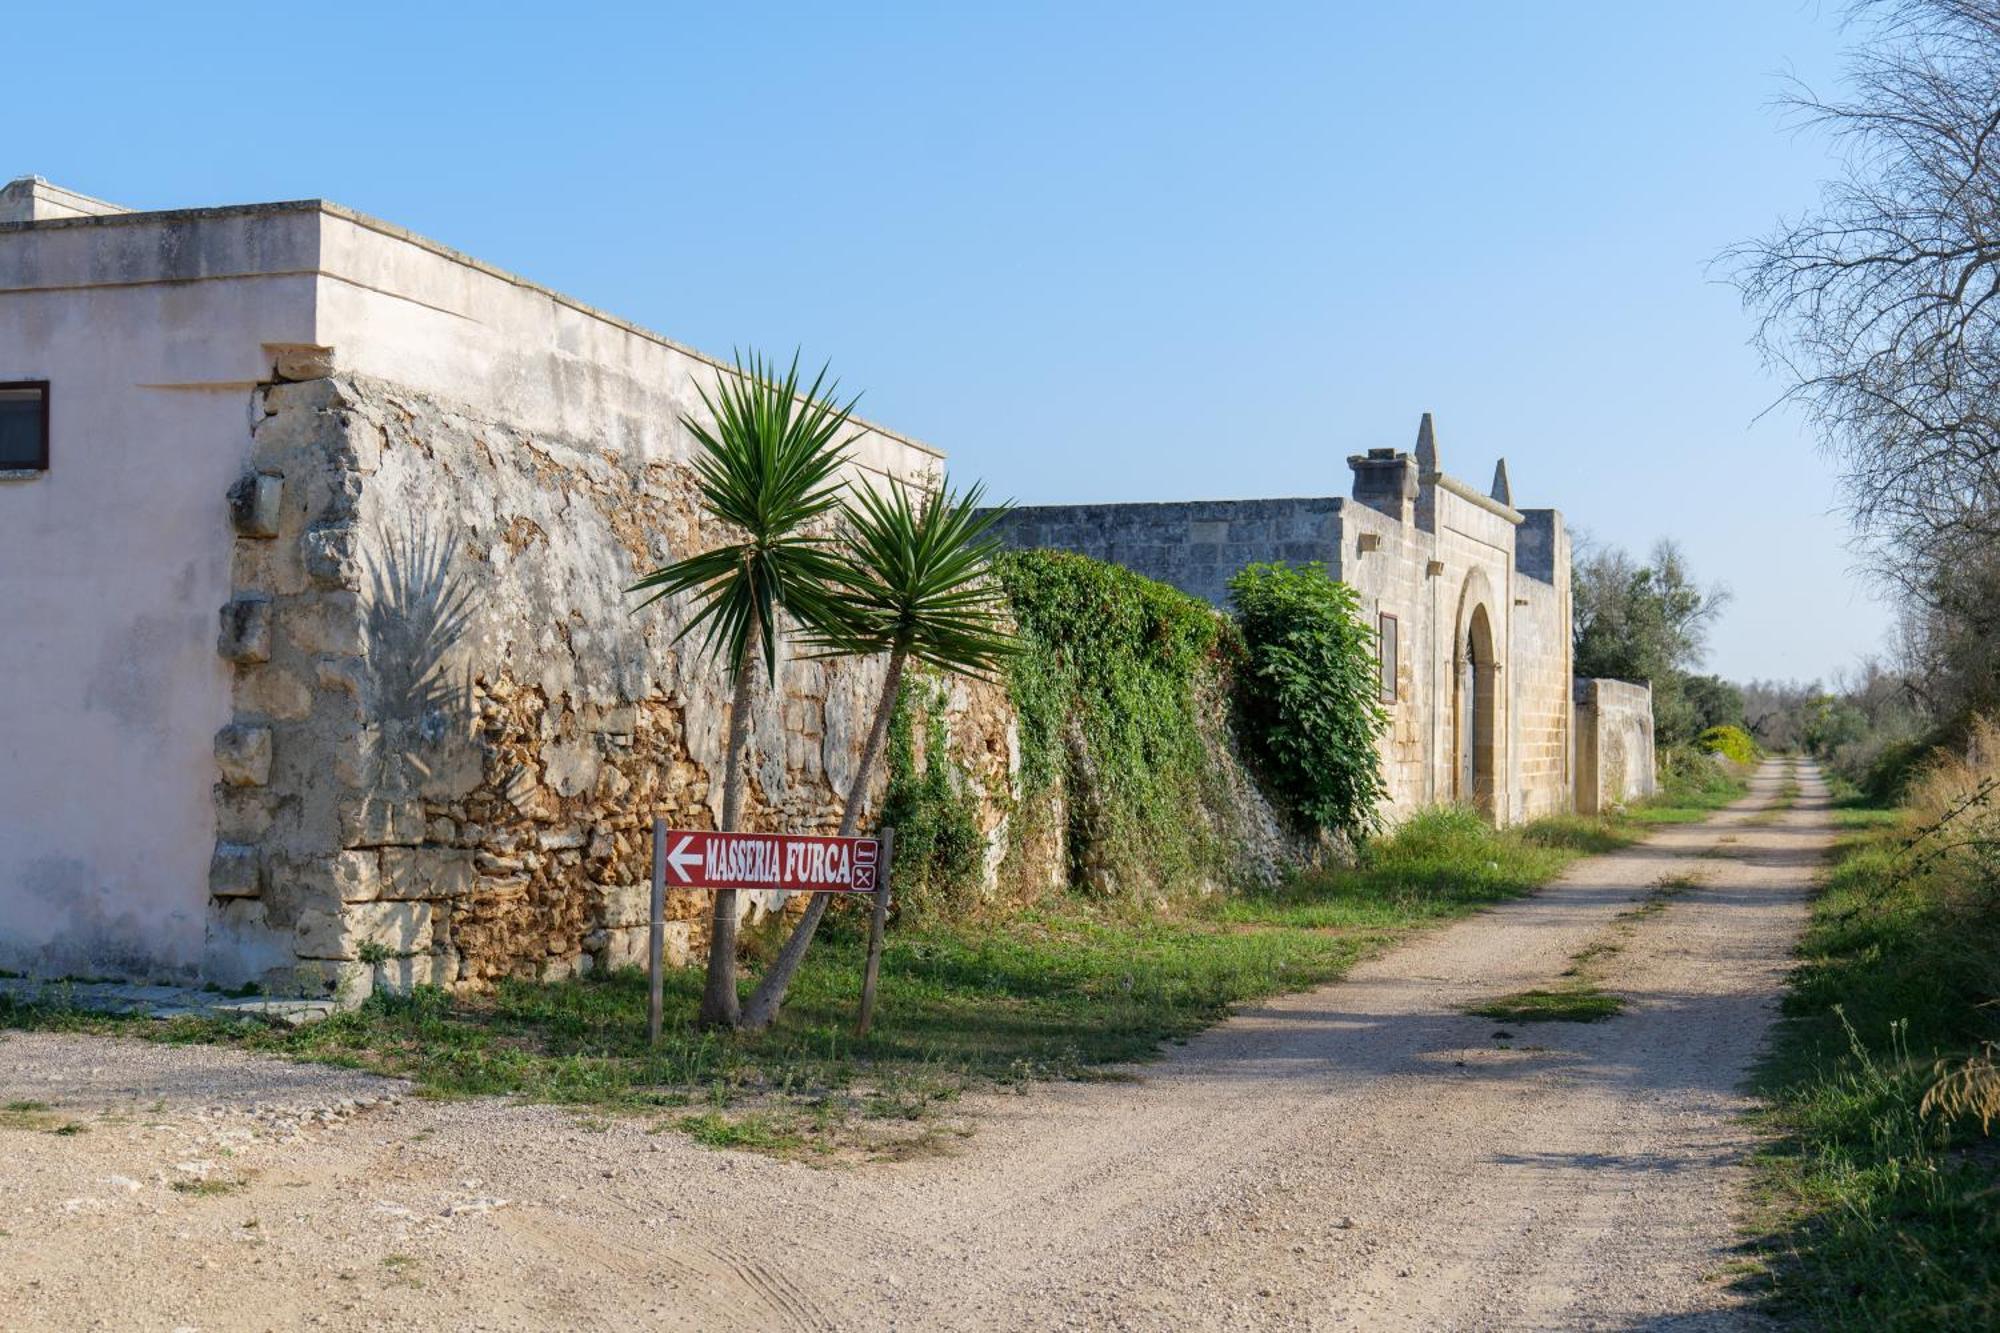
1475 701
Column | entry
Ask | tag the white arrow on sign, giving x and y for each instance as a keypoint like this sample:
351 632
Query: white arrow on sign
680 858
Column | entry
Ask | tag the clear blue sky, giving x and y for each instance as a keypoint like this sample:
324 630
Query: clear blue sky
1095 252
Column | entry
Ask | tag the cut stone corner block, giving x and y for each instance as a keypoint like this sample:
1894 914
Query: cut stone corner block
300 361
331 554
242 946
243 753
347 984
255 504
416 873
381 821
400 976
235 871
246 630
383 930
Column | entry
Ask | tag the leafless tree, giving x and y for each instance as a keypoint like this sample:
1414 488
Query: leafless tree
1881 305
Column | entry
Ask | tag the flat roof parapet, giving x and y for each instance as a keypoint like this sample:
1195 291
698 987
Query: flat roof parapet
32 199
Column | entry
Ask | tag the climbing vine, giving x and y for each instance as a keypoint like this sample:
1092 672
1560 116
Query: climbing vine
1122 693
939 847
1109 691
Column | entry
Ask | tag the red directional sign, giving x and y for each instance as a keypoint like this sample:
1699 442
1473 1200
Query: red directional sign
698 859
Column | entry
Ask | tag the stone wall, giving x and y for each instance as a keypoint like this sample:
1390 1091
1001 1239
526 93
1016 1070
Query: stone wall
112 565
452 732
1387 562
1614 745
1541 657
1196 546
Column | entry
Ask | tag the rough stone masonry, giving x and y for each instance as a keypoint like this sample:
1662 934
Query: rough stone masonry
451 733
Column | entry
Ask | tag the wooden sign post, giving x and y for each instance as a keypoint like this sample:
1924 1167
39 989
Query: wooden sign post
791 862
876 925
656 937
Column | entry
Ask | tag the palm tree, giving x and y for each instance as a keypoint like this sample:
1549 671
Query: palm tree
916 586
767 468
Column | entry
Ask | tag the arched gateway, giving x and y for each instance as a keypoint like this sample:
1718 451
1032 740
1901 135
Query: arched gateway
1475 697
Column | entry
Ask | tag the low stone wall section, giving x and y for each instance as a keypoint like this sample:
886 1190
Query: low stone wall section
1614 745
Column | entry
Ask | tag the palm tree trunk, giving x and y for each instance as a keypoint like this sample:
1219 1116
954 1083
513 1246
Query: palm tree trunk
769 997
720 1005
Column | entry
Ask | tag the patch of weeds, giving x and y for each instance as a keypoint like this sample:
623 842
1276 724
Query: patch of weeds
1590 954
1106 1076
206 1188
27 1115
70 1130
402 1268
934 1141
907 1099
1664 891
1577 996
1577 1002
757 1131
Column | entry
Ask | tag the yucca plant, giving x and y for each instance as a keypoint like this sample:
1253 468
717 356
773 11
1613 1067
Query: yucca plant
916 586
767 468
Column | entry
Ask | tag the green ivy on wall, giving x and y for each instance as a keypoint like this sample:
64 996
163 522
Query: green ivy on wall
930 804
1109 691
1125 693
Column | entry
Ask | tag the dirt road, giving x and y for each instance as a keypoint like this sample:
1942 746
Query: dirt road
1362 1156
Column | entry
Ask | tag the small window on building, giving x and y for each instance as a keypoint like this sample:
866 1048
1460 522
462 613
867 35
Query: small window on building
1385 654
24 426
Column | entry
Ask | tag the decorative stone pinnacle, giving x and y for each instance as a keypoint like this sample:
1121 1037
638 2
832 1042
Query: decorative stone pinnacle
1503 490
1427 449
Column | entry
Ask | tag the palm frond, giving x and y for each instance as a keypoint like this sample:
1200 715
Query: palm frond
769 463
917 578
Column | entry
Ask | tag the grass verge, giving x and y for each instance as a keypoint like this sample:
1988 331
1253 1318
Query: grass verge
1872 1214
993 1001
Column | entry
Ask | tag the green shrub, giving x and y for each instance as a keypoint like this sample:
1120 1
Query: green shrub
1886 777
1732 743
1108 690
1691 779
1309 696
939 846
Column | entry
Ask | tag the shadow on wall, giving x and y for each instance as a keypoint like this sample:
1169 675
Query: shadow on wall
418 609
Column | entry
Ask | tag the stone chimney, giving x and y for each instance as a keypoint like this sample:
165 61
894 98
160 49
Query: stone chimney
32 199
1386 479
